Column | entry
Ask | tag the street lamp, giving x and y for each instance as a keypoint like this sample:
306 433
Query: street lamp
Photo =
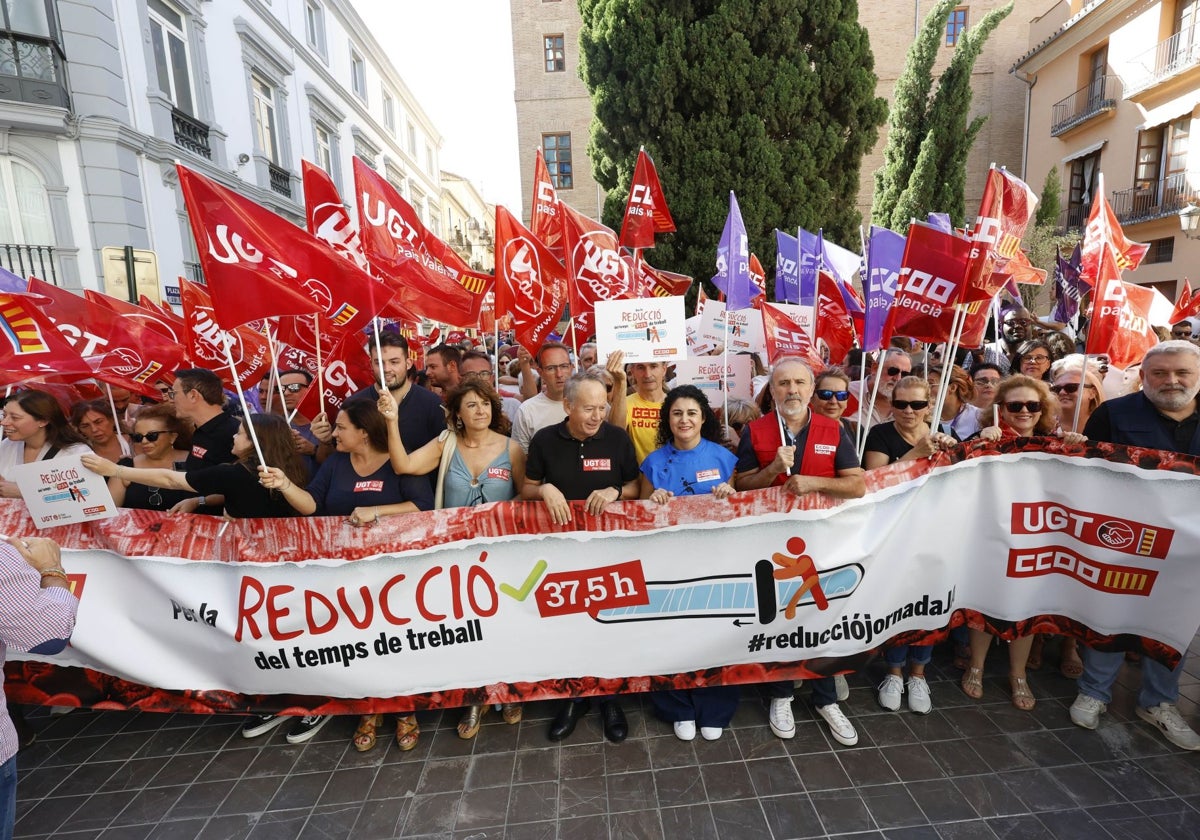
1189 221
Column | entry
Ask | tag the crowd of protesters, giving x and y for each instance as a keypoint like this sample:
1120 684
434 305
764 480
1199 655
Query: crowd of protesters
447 436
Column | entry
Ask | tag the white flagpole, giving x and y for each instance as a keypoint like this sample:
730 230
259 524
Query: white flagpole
245 408
275 376
862 427
1079 393
379 355
320 368
112 405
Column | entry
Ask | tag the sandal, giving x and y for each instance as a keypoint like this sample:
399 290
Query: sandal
468 727
511 712
1035 652
972 683
1022 697
364 735
407 732
1070 666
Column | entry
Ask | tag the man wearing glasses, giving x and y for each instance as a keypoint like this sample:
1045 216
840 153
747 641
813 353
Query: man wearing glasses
294 383
545 408
1016 326
477 365
199 398
895 366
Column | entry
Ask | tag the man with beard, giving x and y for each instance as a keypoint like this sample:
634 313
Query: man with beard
895 366
804 452
442 368
1165 415
1016 326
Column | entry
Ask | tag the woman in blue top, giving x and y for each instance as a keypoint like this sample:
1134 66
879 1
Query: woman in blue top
476 464
358 482
690 460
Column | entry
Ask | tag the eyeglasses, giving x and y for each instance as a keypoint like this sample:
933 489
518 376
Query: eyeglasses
294 387
896 371
556 368
150 436
1040 359
174 395
915 405
826 394
987 382
1015 406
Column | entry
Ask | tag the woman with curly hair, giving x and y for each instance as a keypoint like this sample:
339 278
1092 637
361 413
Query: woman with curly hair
690 460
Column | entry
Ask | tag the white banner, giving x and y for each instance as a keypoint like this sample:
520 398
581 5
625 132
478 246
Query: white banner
61 491
648 330
497 594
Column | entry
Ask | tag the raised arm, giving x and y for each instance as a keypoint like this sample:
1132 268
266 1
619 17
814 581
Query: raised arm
420 462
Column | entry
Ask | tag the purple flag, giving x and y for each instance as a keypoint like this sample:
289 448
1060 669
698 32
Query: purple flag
733 261
1068 287
844 265
941 221
885 253
787 268
10 282
810 261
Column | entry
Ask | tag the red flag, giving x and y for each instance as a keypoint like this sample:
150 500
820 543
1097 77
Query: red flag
32 347
932 275
347 371
1104 233
328 219
595 270
834 326
71 316
656 282
759 278
1004 212
429 278
646 210
1120 323
137 355
206 340
1186 306
169 325
786 331
255 262
531 285
543 219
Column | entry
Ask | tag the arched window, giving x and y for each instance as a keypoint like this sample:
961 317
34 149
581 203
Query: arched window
24 206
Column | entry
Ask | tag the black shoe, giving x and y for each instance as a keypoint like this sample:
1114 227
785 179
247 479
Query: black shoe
615 726
564 722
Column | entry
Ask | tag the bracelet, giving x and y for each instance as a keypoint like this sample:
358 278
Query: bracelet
202 500
54 572
285 489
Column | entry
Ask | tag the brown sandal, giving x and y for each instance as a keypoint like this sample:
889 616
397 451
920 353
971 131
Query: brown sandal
472 719
1070 665
1034 661
972 683
407 732
511 712
1022 697
364 735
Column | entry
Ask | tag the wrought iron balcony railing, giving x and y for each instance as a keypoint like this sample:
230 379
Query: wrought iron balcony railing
26 260
281 180
1098 97
1167 58
1153 200
190 133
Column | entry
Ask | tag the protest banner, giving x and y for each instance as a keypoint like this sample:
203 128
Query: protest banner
61 491
711 373
647 330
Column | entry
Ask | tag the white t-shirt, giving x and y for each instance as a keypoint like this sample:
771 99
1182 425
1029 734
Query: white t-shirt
536 413
12 453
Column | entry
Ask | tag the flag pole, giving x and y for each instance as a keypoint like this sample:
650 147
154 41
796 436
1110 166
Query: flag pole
863 428
496 349
320 366
237 386
574 338
112 405
1079 393
275 376
379 354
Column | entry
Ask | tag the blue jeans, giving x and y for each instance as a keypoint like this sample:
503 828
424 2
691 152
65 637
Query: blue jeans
824 692
8 797
916 654
1100 669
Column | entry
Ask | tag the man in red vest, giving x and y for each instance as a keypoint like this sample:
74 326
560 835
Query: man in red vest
804 452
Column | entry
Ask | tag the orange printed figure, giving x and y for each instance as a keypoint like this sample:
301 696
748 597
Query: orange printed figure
800 565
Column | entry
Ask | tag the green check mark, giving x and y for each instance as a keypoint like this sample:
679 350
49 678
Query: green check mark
527 587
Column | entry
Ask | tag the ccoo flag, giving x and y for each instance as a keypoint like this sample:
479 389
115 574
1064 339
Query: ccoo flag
646 211
733 260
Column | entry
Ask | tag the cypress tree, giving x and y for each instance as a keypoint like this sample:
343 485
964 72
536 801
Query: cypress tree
774 99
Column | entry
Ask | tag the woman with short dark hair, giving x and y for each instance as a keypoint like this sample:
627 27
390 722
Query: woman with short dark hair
35 429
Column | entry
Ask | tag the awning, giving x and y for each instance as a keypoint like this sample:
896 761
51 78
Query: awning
1183 104
1095 147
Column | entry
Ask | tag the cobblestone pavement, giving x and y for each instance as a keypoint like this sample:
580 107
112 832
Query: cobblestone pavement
968 770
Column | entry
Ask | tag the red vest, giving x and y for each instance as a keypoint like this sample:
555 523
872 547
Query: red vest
820 446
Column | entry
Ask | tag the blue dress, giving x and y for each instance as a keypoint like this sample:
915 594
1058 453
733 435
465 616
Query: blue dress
494 484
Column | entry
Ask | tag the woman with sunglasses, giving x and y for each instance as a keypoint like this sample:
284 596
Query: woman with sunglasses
690 461
906 437
831 392
161 442
476 464
1066 389
1025 408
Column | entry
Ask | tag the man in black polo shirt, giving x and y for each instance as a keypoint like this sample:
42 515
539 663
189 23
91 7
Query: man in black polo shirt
421 417
582 459
199 398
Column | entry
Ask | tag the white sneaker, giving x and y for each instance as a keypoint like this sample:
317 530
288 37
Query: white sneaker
890 691
1086 711
710 733
783 724
1167 718
840 726
842 688
685 730
919 700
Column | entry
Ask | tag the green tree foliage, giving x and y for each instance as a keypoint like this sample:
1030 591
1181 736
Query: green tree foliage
1050 205
774 99
925 163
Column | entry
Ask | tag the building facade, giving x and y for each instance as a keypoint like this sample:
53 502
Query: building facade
469 222
553 103
100 98
1114 89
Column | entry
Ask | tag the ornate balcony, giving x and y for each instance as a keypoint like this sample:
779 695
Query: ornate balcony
1098 97
1166 59
190 134
26 260
31 70
281 180
1155 200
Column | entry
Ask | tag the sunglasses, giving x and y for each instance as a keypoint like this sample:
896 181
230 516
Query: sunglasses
294 387
915 405
1015 406
896 371
150 436
826 394
1067 388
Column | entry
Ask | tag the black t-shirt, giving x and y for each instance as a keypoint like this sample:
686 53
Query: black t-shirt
245 498
422 418
885 438
142 497
212 443
579 467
